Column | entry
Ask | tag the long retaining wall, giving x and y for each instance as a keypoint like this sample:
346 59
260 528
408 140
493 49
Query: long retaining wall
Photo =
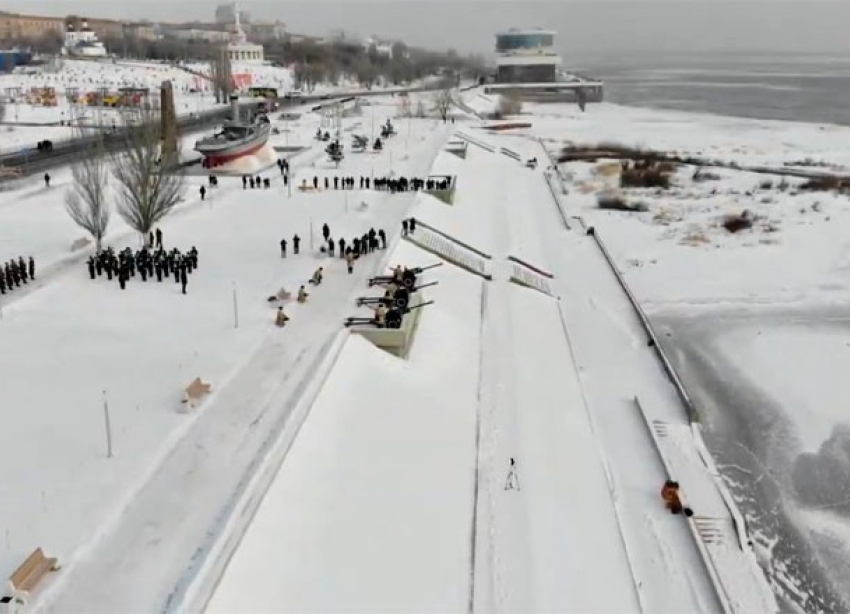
692 413
691 410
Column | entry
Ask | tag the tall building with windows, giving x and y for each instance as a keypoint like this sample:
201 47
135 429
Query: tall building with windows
526 56
528 67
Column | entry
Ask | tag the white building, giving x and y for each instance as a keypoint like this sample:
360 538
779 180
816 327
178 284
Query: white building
239 49
83 42
381 47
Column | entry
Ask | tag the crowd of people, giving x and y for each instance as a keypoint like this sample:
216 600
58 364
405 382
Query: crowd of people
350 251
144 263
16 272
385 184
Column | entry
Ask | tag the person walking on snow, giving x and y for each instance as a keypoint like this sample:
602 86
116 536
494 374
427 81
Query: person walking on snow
283 248
203 192
296 241
46 180
326 231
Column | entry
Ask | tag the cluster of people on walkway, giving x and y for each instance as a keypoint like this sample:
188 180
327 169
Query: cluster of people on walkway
16 272
385 184
350 251
146 263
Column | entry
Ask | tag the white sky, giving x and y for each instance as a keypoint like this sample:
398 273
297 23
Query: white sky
583 25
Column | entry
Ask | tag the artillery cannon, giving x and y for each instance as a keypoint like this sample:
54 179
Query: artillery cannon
408 277
392 320
399 298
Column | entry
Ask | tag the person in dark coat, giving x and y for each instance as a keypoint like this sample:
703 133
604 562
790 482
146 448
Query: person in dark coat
46 180
158 237
404 228
315 183
283 248
31 265
331 247
244 182
183 278
412 225
336 183
326 231
91 266
22 268
203 192
296 241
251 182
327 183
342 248
383 236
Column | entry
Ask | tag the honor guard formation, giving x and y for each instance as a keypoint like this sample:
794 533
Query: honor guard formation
16 272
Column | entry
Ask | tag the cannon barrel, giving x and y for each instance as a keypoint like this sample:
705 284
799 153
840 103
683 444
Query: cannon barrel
428 285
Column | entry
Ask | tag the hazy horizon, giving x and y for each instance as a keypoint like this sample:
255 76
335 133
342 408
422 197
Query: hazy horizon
585 27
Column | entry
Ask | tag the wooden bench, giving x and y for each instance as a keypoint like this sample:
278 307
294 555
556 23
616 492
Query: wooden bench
31 572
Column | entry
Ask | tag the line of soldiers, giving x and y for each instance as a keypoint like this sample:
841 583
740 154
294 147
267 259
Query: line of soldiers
16 272
387 184
367 243
255 182
145 263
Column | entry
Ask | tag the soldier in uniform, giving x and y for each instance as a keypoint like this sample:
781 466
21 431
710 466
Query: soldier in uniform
31 265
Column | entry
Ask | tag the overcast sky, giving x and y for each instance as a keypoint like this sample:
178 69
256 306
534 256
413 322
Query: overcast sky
590 26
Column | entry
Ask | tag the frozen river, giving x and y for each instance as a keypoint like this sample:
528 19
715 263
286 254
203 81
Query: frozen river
766 389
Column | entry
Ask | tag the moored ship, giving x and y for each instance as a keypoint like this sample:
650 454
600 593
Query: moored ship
236 138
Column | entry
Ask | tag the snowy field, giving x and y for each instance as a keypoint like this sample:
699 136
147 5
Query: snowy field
151 342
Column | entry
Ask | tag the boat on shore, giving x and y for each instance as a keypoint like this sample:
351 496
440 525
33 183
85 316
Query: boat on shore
237 138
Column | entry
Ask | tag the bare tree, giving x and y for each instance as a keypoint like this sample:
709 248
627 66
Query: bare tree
443 102
149 185
86 200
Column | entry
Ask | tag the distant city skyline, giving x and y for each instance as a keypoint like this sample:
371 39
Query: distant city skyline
583 26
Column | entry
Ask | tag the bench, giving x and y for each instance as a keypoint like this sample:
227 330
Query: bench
31 572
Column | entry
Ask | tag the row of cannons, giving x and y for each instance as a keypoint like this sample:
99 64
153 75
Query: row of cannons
397 300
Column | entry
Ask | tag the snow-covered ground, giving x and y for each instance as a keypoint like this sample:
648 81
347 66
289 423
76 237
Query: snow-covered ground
753 320
154 342
564 519
504 465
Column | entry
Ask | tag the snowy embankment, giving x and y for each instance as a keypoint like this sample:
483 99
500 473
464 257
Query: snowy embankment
375 498
729 304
